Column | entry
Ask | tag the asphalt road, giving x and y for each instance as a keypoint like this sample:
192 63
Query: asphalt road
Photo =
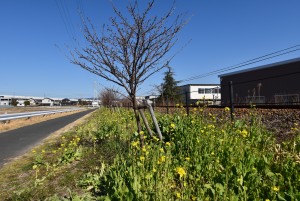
16 142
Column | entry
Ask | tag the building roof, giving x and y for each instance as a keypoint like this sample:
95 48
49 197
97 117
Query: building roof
262 67
199 85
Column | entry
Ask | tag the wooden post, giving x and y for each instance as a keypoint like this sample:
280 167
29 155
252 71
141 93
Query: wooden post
154 119
187 103
231 100
145 121
167 104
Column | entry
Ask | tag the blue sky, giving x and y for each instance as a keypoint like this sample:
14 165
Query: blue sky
34 35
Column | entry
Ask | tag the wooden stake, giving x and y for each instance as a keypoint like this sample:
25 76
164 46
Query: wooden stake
145 121
154 119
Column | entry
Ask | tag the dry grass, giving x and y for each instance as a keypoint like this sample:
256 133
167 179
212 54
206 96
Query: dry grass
18 123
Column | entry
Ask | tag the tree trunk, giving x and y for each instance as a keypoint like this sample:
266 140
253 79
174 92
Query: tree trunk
137 118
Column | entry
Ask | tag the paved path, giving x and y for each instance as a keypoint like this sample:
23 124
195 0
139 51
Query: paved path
16 142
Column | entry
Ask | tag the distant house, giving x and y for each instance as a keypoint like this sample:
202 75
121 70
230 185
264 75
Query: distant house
203 93
66 102
33 102
96 103
277 83
47 102
21 102
5 101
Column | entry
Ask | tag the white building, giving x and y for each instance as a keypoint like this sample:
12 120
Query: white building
5 101
48 102
204 93
21 102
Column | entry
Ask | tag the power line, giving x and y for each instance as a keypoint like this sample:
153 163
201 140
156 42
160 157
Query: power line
65 16
248 62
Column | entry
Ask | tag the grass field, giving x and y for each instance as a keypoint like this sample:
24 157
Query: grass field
204 156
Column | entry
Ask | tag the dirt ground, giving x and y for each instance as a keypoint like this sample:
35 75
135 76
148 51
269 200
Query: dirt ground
18 123
284 123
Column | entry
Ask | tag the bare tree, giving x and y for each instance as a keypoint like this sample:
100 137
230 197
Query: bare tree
108 97
131 48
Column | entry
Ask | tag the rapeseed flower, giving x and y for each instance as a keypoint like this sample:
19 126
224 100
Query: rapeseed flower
180 171
135 143
168 144
161 159
244 133
275 188
155 138
142 158
177 194
172 125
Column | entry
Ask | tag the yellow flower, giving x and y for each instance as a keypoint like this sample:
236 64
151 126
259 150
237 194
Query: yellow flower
141 132
161 159
155 138
142 158
168 144
177 194
33 151
275 188
172 125
161 150
227 109
244 133
187 158
267 199
43 151
180 171
144 149
194 198
62 145
134 144
154 170
211 126
177 105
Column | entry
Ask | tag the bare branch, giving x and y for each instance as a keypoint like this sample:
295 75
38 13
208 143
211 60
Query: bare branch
132 47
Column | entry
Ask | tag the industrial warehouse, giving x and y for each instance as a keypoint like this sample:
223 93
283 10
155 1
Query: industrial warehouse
273 84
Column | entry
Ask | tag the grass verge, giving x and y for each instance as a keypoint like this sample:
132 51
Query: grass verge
204 156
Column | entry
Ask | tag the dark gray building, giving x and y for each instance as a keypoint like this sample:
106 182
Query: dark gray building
277 83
